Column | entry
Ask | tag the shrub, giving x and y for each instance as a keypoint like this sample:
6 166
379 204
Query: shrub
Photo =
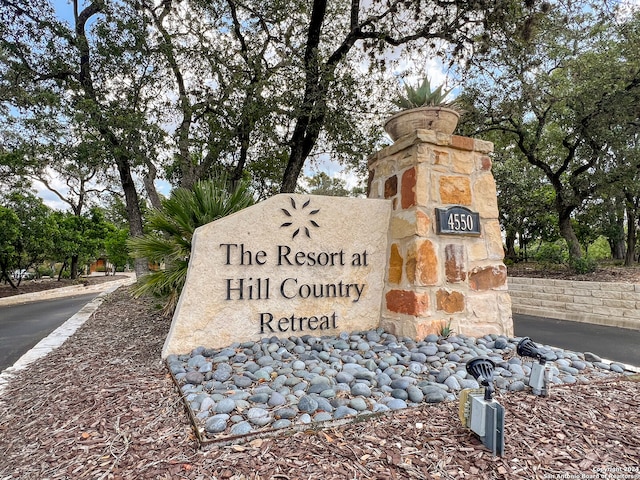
552 253
583 265
600 249
172 229
44 271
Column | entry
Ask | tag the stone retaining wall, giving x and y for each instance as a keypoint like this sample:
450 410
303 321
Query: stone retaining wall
602 303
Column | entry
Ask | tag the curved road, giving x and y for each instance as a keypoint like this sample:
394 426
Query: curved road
23 326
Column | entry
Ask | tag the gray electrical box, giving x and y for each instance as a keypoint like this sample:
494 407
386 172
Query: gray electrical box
478 414
487 421
538 381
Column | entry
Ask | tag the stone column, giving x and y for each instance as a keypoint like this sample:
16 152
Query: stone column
435 279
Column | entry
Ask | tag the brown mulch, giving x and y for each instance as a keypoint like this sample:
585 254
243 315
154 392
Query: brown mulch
103 406
31 286
604 272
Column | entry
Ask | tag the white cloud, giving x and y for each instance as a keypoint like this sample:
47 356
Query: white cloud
49 198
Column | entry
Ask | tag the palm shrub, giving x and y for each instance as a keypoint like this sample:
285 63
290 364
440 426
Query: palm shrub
171 228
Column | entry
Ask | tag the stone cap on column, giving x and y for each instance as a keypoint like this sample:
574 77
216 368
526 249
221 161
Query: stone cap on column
436 138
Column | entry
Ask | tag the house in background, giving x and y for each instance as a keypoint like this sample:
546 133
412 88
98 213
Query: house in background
101 265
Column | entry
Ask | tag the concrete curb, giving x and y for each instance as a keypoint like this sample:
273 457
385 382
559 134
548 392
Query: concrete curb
64 331
629 368
61 292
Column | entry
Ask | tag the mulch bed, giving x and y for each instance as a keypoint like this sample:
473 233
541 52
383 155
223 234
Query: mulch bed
603 273
103 406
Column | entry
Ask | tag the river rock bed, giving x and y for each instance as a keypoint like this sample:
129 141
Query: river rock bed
278 383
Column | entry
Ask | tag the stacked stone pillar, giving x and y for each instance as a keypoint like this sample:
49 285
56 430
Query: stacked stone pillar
435 280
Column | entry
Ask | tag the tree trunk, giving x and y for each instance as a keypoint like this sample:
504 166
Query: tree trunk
64 265
616 234
311 118
631 238
523 242
619 250
133 210
510 242
4 274
149 185
566 230
74 267
300 150
121 156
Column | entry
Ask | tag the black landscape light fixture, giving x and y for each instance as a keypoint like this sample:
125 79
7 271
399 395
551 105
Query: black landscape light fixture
478 411
526 348
482 370
538 380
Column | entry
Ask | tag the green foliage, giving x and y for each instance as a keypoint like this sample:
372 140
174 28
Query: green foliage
423 96
35 232
445 329
562 94
525 200
78 238
59 78
600 249
601 225
323 184
171 231
555 254
9 230
119 74
551 253
115 245
558 82
44 270
583 265
9 234
585 229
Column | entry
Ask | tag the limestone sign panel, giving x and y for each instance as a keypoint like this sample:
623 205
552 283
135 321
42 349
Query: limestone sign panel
291 265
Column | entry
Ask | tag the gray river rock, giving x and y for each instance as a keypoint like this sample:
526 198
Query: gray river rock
279 383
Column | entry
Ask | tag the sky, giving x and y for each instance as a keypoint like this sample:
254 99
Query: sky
51 199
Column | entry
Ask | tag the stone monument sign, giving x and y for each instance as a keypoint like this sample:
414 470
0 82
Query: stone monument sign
290 265
422 253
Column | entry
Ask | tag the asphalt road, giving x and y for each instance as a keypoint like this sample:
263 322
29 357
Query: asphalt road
618 344
23 326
